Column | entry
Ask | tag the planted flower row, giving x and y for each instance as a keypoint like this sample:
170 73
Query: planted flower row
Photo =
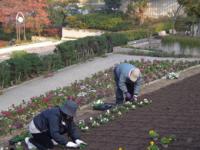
111 114
100 85
104 118
157 141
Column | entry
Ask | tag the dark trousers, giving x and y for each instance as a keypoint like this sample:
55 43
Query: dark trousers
42 141
118 92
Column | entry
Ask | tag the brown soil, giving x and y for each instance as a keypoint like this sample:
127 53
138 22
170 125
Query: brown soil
175 110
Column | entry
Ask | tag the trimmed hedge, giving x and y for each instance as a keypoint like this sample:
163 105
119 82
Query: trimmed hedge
102 21
23 66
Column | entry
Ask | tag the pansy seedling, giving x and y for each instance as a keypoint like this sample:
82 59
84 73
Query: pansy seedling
83 146
153 134
133 107
152 146
167 140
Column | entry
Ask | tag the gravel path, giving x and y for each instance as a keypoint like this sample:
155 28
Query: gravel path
64 77
39 48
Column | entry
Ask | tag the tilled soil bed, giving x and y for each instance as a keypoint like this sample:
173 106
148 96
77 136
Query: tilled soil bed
175 110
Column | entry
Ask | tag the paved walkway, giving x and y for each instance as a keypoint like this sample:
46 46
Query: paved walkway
40 48
64 77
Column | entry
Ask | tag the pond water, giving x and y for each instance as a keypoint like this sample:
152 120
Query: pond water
176 48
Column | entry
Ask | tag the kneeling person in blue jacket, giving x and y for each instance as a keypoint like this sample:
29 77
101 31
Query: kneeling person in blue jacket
128 81
48 127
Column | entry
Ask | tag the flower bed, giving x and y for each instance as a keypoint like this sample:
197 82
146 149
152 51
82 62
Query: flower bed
112 114
100 85
174 111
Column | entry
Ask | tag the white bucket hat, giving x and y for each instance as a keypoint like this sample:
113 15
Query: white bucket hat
134 74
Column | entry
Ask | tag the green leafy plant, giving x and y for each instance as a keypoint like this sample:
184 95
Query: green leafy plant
152 146
19 138
83 146
153 134
167 140
97 104
109 21
143 102
82 125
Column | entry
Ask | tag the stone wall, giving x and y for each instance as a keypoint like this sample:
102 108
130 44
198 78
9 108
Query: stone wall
69 33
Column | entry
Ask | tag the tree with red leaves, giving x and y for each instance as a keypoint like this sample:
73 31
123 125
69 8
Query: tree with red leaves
35 13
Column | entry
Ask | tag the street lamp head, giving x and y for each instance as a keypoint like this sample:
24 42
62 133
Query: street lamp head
20 19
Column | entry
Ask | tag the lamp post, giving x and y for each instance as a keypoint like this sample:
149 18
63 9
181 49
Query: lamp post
20 22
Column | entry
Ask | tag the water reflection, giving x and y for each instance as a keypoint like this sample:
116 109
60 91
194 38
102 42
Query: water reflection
179 50
176 48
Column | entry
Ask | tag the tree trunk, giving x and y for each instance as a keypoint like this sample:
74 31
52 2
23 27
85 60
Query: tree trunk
198 30
175 16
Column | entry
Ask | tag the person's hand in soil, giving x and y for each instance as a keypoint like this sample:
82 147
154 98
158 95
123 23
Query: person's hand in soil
128 96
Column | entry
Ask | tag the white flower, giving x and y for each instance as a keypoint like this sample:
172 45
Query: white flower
1 148
172 75
19 143
81 122
98 102
92 91
81 94
86 128
95 124
108 111
91 119
60 94
119 113
82 87
104 120
141 103
146 101
109 86
133 107
128 103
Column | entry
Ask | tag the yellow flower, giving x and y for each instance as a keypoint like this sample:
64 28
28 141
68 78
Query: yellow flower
151 132
152 143
120 148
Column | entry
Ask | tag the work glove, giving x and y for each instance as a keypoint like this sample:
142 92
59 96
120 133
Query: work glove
128 96
79 142
135 98
54 142
72 145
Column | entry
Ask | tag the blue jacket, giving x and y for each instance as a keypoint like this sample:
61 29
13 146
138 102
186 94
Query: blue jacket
50 121
122 72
